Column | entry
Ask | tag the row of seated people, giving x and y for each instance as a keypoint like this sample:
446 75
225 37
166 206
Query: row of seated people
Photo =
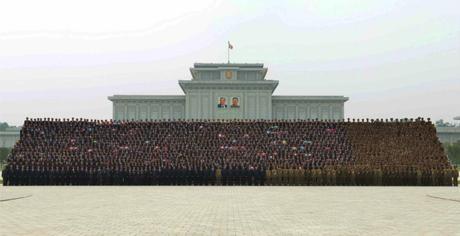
95 147
329 176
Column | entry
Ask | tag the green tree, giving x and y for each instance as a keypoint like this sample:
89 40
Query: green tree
453 152
3 154
441 123
3 126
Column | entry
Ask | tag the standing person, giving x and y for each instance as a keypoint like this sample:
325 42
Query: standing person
268 177
262 178
447 177
299 174
314 177
419 177
99 176
440 177
352 175
286 176
433 177
307 177
339 175
218 176
5 175
292 177
333 177
274 176
224 176
379 177
455 175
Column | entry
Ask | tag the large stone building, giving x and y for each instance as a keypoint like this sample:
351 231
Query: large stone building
227 91
448 134
9 137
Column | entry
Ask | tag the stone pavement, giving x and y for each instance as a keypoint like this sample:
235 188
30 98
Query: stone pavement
188 210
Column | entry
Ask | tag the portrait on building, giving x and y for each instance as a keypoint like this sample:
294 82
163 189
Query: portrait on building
222 102
235 102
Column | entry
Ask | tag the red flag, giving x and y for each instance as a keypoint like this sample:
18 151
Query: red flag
230 46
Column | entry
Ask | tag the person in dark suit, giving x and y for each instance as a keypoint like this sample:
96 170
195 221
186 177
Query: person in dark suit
5 176
222 103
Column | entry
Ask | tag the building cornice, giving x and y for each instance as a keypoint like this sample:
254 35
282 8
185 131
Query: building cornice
232 84
448 130
309 98
119 98
227 65
10 133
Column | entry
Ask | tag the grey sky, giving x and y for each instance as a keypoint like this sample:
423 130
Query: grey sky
392 58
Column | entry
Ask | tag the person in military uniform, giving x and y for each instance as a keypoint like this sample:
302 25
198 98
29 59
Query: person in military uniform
268 177
333 177
352 174
419 175
5 175
231 175
274 176
291 176
447 177
455 176
218 176
42 176
224 175
314 177
307 177
250 176
259 176
320 177
284 176
434 174
154 174
299 175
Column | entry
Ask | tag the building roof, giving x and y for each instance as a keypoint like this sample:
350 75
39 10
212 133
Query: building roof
309 98
145 97
240 65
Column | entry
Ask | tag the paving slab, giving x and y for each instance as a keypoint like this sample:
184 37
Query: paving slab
222 210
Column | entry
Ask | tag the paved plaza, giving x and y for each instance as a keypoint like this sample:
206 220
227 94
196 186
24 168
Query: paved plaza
205 210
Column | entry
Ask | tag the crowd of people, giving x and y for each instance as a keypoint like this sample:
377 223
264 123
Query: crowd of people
240 152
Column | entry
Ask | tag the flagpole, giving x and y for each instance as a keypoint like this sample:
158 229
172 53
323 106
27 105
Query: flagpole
228 54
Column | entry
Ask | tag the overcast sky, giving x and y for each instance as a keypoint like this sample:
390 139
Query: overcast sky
392 58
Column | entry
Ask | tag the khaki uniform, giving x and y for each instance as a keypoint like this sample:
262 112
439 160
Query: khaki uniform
219 177
320 177
447 177
352 177
307 177
455 176
292 173
268 177
275 177
433 177
299 177
333 177
314 177
419 177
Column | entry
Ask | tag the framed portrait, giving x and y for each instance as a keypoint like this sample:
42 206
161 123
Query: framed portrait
222 103
235 102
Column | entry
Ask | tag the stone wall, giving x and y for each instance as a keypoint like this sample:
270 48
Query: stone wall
126 107
448 134
308 107
8 138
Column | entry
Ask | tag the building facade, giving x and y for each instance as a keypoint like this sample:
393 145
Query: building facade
9 137
227 91
448 134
